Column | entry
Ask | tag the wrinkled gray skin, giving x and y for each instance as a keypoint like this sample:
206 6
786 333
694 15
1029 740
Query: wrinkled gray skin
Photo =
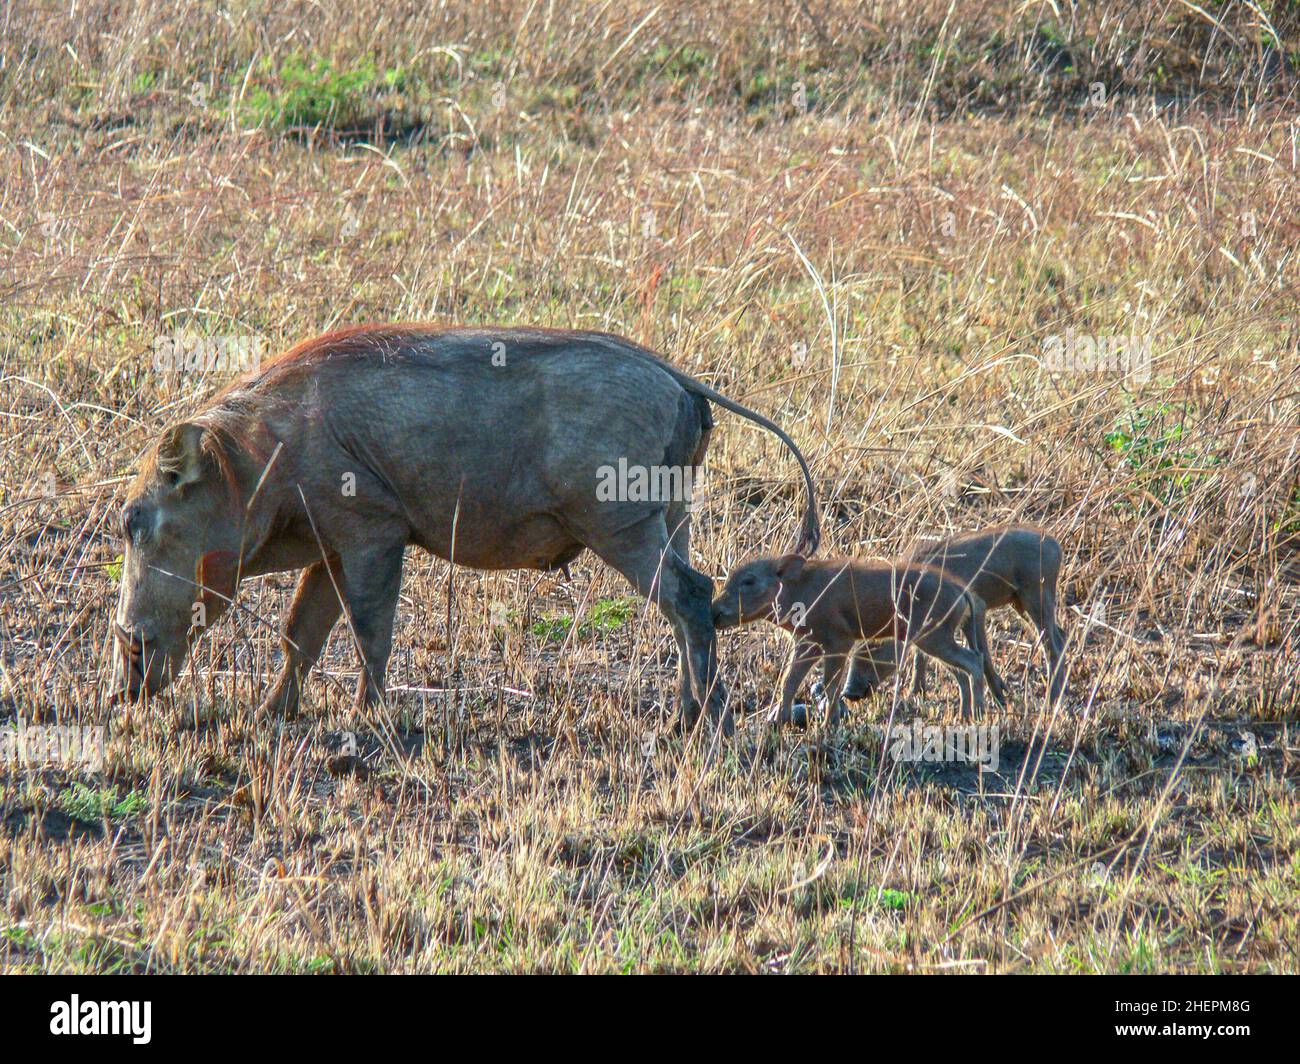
832 604
1008 565
491 466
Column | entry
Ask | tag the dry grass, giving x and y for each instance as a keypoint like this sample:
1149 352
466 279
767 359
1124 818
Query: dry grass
878 271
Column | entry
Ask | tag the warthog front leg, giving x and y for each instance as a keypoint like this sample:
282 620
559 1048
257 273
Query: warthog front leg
834 663
372 578
802 658
315 608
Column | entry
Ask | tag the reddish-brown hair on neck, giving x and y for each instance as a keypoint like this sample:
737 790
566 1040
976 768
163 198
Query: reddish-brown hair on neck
350 339
234 428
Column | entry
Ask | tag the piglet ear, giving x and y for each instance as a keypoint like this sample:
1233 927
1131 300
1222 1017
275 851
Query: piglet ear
790 566
217 574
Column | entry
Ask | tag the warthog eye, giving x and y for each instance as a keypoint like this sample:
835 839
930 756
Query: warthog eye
134 521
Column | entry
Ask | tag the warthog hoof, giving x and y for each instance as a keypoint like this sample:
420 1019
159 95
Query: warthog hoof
719 716
282 703
855 692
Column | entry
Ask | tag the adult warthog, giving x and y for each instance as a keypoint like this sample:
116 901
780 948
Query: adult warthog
488 447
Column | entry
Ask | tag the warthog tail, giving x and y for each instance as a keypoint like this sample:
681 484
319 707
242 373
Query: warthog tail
810 536
976 634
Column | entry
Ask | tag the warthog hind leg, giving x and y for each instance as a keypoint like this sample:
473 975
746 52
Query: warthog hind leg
645 555
1042 612
873 664
967 666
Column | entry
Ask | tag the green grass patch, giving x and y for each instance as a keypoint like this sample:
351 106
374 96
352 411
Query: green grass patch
88 804
307 92
607 615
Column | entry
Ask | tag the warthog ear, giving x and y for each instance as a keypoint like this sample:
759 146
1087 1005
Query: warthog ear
216 574
790 566
181 456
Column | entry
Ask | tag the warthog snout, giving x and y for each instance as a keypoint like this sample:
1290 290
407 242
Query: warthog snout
752 590
176 511
141 666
